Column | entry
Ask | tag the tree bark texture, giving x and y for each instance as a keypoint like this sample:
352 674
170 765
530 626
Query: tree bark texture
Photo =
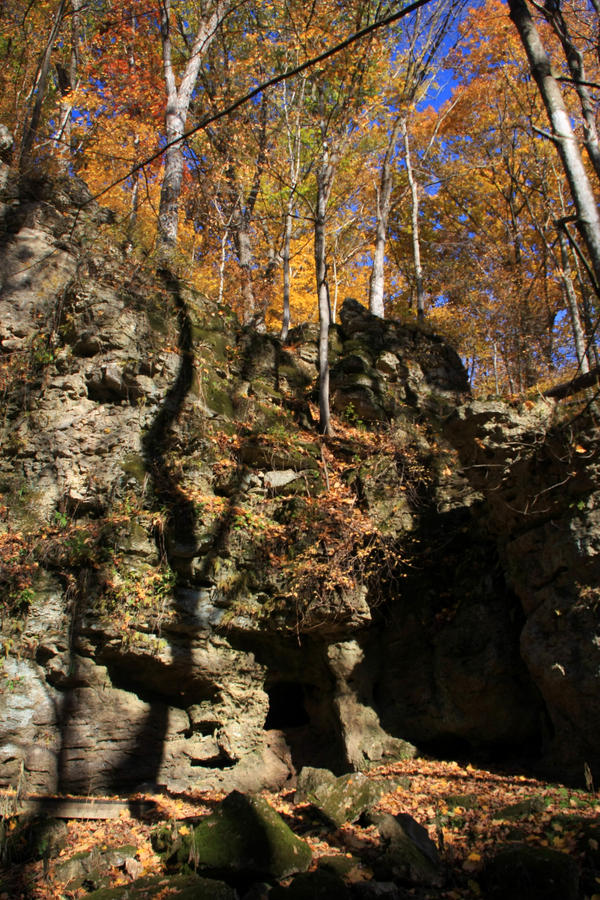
575 63
384 197
414 218
323 186
178 104
33 122
588 219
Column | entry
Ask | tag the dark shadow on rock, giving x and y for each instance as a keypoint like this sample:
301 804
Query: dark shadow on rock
450 676
143 760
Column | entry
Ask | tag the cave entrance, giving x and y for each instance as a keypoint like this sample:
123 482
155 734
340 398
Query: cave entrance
303 714
286 706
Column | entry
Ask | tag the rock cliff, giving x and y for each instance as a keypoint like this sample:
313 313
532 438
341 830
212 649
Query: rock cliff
197 591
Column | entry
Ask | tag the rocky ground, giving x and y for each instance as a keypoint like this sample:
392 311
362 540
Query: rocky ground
483 833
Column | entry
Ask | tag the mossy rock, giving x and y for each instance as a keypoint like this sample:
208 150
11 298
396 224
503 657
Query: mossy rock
269 455
319 885
295 376
244 834
409 854
338 800
356 346
357 363
217 398
340 864
156 320
179 887
358 399
90 869
216 341
531 873
464 801
531 806
31 839
133 465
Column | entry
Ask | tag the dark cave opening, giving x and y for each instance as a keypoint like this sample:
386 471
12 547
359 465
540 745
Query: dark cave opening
286 706
303 714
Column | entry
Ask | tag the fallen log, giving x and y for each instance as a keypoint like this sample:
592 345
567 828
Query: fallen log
560 391
74 807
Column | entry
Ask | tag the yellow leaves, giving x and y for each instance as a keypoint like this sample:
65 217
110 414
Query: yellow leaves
472 861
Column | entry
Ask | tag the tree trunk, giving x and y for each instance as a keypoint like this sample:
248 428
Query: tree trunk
323 297
32 124
575 62
243 246
287 243
178 104
571 298
588 219
294 146
67 81
414 216
383 203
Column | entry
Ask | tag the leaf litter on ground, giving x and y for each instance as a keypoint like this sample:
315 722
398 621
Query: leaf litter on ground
468 812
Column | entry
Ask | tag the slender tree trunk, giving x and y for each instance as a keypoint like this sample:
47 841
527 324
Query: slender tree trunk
572 304
135 192
495 367
243 246
67 84
414 216
242 205
575 62
323 297
32 124
178 104
383 203
588 219
294 142
287 243
590 326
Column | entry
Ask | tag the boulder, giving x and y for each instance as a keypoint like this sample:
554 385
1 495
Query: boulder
531 873
243 834
319 885
408 854
338 800
90 869
179 887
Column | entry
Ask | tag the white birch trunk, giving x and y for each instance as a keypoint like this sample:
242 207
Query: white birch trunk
571 297
383 203
178 104
323 182
588 219
414 217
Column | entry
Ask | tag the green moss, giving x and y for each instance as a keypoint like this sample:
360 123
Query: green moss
243 834
295 376
157 321
179 887
214 340
217 398
133 464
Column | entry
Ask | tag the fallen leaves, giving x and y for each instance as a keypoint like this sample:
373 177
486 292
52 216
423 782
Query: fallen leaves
458 805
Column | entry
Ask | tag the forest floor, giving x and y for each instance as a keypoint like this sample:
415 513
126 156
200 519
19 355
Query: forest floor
468 812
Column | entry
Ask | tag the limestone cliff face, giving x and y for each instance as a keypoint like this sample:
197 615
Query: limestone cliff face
539 469
196 592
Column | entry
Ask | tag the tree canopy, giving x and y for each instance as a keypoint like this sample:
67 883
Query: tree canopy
417 165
